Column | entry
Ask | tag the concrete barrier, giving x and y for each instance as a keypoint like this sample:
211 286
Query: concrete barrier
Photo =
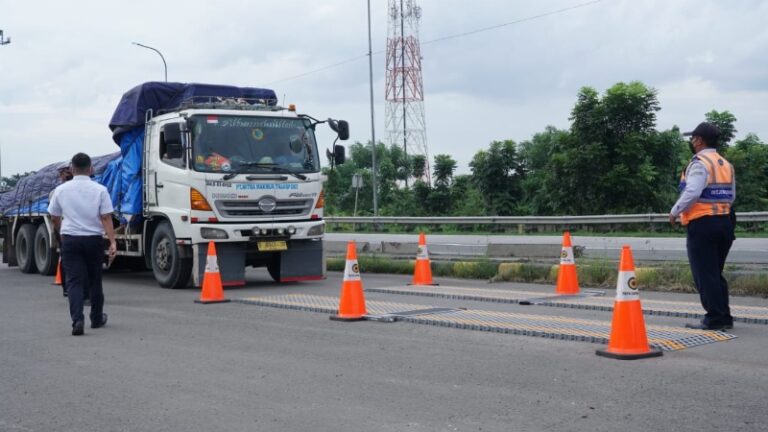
496 250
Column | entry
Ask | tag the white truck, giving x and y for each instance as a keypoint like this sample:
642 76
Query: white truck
202 163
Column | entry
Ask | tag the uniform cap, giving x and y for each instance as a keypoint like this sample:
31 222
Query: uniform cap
705 130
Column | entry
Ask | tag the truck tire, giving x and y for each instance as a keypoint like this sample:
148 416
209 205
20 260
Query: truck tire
25 248
171 271
46 258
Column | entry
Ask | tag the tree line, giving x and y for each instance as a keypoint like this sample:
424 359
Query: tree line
612 160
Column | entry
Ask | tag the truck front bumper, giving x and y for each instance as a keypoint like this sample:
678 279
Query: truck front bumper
259 231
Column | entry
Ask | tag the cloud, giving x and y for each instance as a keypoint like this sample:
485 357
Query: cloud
67 68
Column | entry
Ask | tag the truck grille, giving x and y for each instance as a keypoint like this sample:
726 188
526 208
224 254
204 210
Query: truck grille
246 208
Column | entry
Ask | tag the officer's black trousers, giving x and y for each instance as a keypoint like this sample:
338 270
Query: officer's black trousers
709 240
82 260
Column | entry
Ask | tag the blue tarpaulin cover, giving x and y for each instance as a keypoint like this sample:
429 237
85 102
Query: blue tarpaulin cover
162 96
30 196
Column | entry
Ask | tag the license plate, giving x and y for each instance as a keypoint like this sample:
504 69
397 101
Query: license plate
267 246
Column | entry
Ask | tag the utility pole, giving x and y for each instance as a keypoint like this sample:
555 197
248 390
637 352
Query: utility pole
4 41
2 182
373 122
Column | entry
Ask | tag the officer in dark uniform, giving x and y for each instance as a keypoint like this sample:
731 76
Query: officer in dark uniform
708 189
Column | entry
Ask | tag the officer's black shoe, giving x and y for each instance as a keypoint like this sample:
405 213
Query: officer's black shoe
77 328
702 326
64 292
99 323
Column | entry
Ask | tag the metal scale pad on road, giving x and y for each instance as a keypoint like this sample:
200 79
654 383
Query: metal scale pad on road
746 314
552 327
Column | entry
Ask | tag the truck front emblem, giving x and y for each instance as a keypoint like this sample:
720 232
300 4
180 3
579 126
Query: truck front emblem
267 204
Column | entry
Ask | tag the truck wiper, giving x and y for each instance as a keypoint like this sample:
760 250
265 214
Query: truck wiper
232 175
282 170
272 167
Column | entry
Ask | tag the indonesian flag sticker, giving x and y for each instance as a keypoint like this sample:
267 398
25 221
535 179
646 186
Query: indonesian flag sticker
213 119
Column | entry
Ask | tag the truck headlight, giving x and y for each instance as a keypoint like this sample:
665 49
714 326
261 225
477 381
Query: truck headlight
316 230
213 233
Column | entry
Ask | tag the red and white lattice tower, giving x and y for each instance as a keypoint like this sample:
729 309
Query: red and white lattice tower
405 122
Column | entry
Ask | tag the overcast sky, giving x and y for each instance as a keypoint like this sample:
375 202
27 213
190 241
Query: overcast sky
70 61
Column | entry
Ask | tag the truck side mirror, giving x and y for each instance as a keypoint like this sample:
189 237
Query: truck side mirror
343 130
174 151
171 133
341 127
170 141
339 154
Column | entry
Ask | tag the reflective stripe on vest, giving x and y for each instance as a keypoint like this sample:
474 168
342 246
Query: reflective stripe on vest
717 196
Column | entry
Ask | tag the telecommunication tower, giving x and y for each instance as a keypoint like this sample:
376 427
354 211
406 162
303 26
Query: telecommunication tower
405 122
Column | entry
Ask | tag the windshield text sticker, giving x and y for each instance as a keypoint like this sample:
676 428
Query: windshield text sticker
256 123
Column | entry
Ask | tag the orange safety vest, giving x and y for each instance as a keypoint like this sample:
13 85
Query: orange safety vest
718 194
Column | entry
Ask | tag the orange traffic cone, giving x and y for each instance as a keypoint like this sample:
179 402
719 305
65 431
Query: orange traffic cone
567 281
422 272
352 299
213 291
628 339
57 280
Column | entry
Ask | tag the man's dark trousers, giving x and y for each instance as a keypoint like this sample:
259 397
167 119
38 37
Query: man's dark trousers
709 240
82 260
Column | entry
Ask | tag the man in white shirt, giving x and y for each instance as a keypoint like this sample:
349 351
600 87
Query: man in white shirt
82 212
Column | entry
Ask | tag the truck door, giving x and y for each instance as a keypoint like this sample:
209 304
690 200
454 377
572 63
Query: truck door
171 176
150 166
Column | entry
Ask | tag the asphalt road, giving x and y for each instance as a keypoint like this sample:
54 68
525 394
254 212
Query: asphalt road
164 363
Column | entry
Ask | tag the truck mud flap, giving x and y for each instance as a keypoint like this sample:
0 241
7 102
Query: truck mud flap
231 259
302 261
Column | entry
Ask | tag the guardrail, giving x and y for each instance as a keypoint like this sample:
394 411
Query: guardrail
522 221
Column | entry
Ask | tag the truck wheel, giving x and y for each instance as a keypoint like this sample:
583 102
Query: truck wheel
46 258
25 248
171 271
273 267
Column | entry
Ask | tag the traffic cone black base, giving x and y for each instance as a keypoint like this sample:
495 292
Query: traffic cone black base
338 318
652 353
211 301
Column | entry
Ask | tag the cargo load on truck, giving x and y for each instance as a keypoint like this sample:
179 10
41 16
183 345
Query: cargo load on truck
30 195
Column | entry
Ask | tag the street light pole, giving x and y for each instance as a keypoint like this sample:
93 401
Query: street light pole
165 65
373 128
4 41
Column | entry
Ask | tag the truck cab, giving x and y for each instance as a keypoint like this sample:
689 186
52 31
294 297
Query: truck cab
245 176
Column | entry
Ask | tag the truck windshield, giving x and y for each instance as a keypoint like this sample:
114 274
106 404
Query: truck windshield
243 144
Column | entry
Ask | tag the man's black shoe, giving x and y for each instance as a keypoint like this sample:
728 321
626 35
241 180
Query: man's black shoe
77 328
64 292
702 326
100 323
